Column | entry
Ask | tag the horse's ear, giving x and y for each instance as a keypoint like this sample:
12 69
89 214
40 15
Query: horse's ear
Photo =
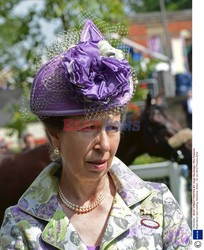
148 102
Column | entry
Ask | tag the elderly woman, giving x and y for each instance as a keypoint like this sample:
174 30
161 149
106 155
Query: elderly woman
88 199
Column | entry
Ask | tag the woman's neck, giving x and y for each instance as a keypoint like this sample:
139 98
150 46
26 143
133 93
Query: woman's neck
82 192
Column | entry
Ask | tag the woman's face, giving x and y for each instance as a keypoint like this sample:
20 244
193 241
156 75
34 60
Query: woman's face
87 149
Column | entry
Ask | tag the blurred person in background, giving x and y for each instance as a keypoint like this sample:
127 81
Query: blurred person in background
3 146
29 142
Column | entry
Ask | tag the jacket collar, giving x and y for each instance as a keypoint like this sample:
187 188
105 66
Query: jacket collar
40 200
120 220
130 187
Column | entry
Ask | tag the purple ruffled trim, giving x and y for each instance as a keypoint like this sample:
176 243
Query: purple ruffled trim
94 78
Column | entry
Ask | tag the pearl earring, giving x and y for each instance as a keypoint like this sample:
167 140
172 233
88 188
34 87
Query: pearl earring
56 151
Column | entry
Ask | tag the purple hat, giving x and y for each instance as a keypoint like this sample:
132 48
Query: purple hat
90 75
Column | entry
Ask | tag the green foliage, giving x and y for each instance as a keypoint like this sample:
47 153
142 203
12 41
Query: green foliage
20 42
68 12
22 39
144 68
20 118
140 94
172 5
141 6
147 159
18 123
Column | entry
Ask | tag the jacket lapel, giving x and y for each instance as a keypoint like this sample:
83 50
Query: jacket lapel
131 190
120 220
41 201
60 233
55 231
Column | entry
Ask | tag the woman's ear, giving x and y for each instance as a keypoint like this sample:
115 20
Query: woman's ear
53 137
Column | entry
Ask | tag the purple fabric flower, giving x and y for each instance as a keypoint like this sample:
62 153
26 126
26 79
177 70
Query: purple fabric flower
94 78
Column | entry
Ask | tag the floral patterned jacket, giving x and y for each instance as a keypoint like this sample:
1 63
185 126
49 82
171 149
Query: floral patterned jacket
144 216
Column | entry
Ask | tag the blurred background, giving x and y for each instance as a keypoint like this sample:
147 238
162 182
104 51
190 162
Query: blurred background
159 40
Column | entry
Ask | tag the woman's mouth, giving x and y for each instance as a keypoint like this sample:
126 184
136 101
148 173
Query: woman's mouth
98 165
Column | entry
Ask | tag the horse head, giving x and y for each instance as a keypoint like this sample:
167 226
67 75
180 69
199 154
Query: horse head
165 135
158 136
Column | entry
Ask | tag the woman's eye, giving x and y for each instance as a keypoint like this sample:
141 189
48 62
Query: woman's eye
112 128
89 128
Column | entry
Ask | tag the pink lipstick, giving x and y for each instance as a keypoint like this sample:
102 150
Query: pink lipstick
98 165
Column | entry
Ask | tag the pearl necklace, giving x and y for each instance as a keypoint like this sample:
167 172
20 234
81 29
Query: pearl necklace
81 209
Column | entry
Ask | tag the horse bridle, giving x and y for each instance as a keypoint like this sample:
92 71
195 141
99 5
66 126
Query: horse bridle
175 154
180 155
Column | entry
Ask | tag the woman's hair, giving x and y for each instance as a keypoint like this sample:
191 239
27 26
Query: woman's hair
56 124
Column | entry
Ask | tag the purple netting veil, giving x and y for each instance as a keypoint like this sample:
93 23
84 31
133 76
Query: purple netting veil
90 76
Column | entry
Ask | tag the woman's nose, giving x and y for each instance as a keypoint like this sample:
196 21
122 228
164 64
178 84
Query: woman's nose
103 141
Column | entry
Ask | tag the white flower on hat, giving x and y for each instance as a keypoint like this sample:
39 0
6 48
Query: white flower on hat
107 50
